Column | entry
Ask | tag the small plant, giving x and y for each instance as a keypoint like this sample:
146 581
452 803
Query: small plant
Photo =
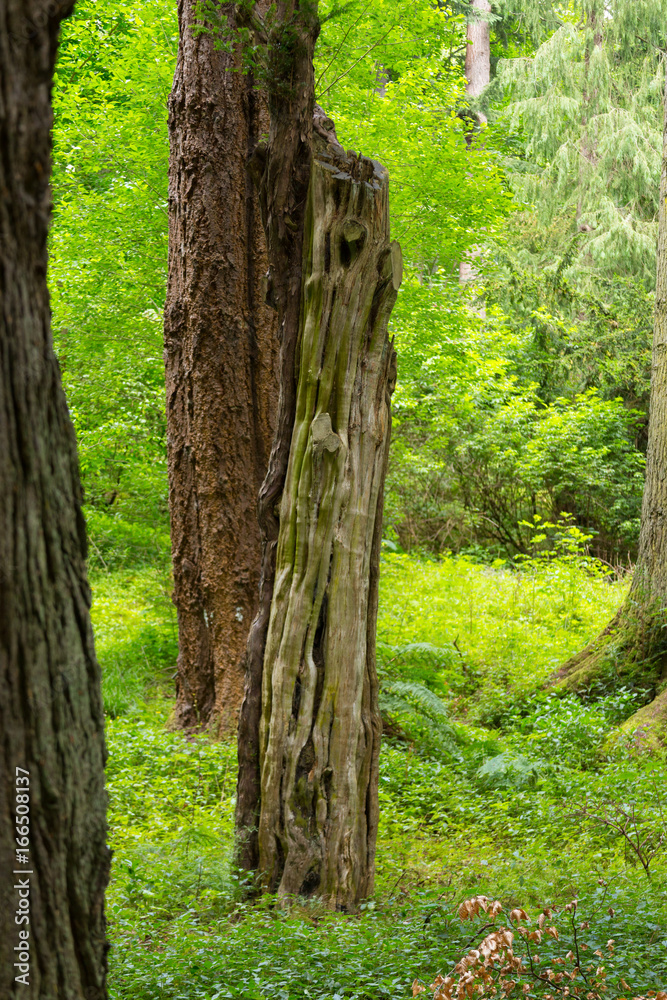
506 959
642 839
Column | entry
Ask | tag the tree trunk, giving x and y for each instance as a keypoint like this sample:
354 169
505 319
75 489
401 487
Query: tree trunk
478 75
634 644
221 365
316 807
51 718
478 53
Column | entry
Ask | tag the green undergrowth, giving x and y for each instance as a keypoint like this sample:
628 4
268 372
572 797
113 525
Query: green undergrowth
134 619
482 636
523 808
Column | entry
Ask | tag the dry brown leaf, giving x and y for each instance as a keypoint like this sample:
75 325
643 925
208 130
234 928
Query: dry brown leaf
417 988
553 932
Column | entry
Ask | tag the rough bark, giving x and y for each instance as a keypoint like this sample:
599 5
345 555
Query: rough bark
319 729
635 643
221 353
51 716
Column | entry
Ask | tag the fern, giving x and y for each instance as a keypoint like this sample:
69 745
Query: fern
421 650
422 715
508 771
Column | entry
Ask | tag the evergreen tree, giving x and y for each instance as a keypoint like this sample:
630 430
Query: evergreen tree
634 643
583 120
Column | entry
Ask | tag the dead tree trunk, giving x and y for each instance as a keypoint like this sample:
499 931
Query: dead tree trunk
634 644
221 352
54 868
319 730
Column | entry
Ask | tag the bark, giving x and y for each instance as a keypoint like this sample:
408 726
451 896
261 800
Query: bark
478 53
221 353
316 806
281 169
634 644
478 75
51 716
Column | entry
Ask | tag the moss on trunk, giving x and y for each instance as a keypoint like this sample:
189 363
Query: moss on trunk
320 726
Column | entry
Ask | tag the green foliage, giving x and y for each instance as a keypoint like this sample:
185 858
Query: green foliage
478 449
135 633
584 119
108 245
396 98
511 627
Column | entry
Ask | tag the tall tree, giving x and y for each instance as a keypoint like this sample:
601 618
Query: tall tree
478 52
584 118
221 362
54 868
478 75
309 732
634 643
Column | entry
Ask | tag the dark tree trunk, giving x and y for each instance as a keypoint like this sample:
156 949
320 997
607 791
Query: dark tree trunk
51 717
309 734
222 380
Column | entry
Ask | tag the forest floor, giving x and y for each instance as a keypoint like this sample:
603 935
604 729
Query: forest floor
484 798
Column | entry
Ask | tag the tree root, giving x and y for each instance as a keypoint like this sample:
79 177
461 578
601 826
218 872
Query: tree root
632 650
647 728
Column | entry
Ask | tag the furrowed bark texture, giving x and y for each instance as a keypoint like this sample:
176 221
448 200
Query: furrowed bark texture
51 716
282 171
221 354
320 725
634 642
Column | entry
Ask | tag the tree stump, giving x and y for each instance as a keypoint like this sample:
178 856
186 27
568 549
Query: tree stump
319 733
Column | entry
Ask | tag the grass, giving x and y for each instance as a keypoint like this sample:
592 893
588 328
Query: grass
486 802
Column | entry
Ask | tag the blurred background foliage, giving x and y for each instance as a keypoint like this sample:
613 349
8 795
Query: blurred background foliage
524 395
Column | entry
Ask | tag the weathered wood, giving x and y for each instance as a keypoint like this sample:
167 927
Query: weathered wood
51 717
282 169
320 725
